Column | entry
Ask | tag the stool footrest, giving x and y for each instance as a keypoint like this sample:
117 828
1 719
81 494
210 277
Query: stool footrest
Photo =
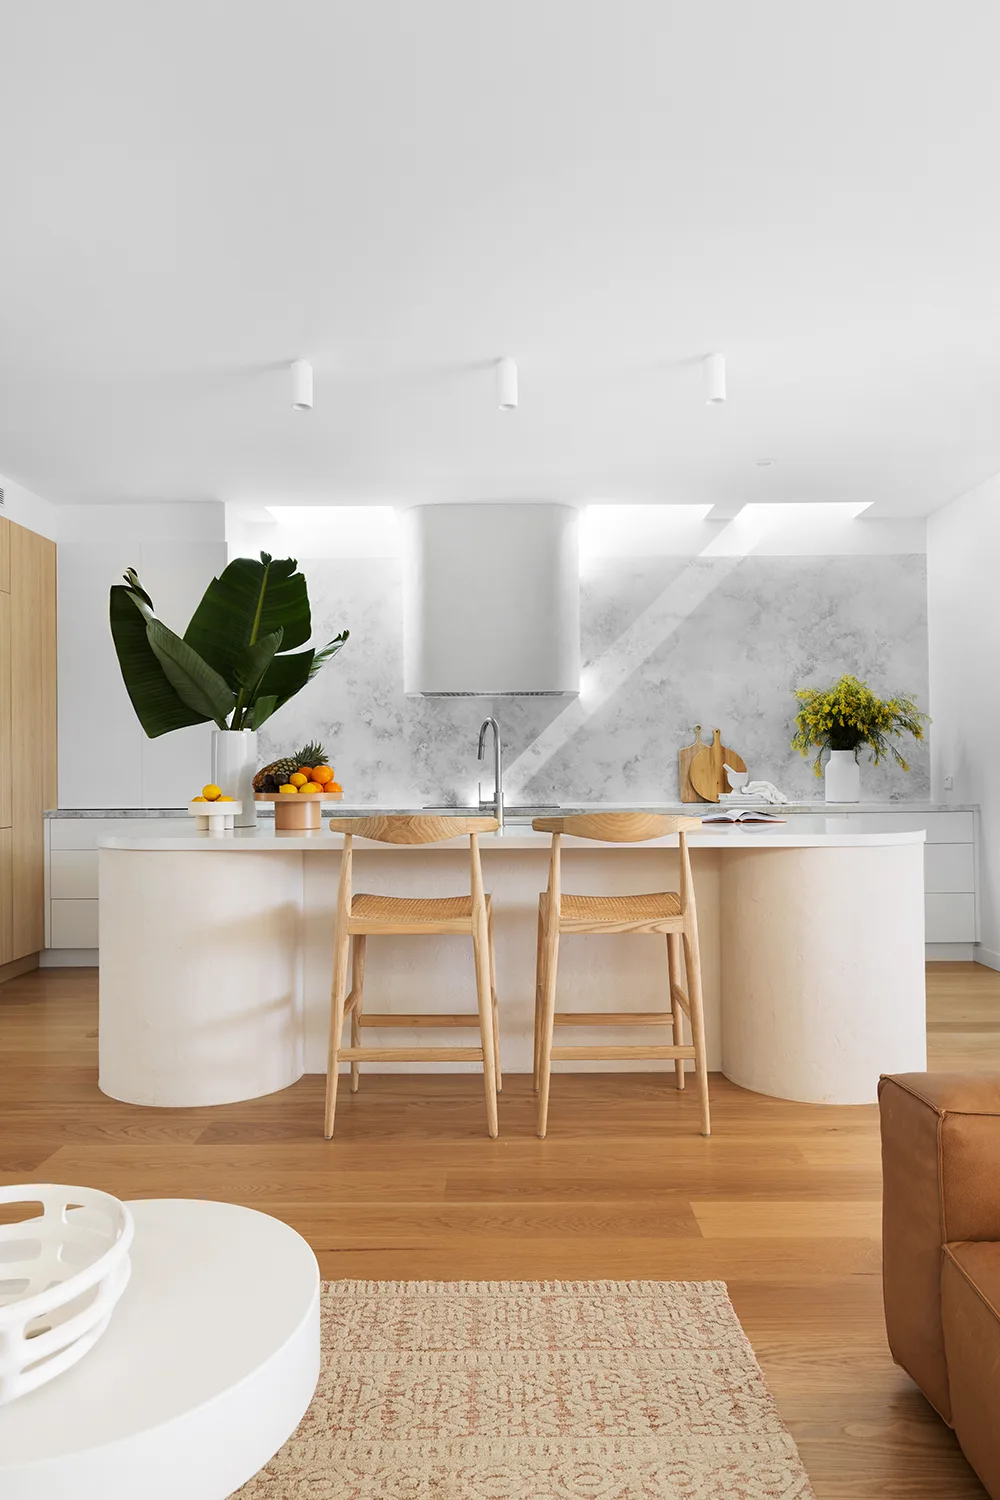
617 1054
416 1020
410 1054
613 1017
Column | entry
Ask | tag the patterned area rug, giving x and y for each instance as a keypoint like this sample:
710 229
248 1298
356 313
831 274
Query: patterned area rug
519 1390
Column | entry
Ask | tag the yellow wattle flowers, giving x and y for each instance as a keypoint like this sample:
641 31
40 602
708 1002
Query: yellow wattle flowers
849 715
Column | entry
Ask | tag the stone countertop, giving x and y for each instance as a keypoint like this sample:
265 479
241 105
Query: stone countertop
514 811
811 833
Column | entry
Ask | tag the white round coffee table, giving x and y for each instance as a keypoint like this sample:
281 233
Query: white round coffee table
209 1362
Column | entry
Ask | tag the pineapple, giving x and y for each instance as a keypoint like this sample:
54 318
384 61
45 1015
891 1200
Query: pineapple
277 773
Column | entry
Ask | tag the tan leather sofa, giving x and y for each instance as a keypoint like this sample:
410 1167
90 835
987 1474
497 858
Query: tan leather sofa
941 1249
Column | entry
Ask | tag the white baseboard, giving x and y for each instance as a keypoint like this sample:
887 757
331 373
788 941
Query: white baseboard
950 953
961 953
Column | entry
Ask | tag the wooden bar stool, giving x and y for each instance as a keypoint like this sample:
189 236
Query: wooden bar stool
361 917
669 912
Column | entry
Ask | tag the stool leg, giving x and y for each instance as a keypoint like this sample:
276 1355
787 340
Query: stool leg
496 1006
674 971
692 963
338 997
539 981
550 961
358 991
480 945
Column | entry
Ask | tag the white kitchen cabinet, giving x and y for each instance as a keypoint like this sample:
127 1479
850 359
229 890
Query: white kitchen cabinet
950 917
949 868
71 887
72 874
73 924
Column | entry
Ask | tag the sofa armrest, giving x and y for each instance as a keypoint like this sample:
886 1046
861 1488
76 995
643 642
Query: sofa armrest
941 1182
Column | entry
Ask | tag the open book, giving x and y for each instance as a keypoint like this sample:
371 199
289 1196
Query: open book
741 815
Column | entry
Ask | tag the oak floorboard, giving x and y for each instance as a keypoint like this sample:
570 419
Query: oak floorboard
782 1202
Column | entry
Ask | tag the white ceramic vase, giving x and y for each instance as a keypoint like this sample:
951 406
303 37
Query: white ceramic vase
842 777
234 765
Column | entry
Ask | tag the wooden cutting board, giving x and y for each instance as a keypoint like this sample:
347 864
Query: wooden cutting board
707 776
684 758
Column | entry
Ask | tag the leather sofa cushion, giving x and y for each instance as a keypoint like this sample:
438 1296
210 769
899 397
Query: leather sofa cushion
970 1294
940 1149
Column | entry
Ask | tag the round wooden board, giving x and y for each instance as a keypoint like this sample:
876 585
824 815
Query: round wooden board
706 773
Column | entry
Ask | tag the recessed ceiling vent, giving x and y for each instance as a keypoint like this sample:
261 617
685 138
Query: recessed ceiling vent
492 601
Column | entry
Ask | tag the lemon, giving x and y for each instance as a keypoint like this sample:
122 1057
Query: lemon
311 788
289 788
198 799
211 793
224 799
298 779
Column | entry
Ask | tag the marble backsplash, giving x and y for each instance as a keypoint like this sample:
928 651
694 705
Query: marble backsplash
668 643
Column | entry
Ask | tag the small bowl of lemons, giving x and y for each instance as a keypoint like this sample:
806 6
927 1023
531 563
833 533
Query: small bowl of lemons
214 810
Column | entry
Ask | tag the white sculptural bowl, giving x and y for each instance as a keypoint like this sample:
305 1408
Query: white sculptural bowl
61 1274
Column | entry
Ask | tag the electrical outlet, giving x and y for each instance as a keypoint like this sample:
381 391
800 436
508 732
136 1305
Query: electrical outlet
949 783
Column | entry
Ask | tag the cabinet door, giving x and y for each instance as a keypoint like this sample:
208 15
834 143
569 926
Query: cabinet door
6 767
6 898
33 727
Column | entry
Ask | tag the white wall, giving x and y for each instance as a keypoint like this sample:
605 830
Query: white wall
30 510
963 544
685 620
105 759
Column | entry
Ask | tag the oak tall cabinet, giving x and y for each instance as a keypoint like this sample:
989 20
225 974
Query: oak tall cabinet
27 734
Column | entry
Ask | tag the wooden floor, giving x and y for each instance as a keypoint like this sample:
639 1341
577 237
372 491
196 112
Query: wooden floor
782 1202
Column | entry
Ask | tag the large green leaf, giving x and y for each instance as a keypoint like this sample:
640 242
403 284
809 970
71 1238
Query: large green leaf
262 710
194 681
250 599
323 654
287 675
228 662
253 661
158 706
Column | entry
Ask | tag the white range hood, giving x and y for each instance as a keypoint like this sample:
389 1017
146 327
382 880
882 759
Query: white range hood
492 600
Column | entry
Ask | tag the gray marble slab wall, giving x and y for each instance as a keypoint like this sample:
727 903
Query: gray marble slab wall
668 642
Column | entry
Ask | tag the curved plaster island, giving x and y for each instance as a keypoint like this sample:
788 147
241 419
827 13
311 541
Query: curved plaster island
216 954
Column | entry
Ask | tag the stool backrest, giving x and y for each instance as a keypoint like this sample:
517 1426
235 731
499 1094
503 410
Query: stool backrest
618 827
412 828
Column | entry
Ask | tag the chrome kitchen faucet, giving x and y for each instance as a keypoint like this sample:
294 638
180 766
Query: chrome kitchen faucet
495 806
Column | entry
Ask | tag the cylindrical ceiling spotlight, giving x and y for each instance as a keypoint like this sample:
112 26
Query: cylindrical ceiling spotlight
507 384
714 366
302 385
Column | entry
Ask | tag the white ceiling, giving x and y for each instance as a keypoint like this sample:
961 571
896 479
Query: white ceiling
195 193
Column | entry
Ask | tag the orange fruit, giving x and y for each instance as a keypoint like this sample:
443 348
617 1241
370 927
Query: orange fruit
334 786
298 779
323 774
311 788
306 771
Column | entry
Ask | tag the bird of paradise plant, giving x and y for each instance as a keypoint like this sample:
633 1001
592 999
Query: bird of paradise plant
235 664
